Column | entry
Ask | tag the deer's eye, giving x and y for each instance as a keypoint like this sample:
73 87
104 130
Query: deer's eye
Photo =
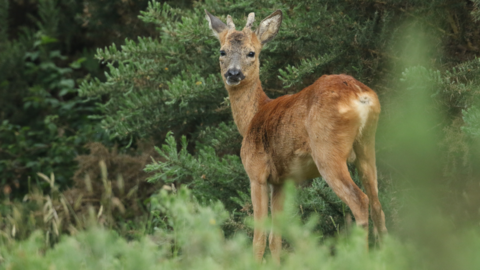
251 54
223 53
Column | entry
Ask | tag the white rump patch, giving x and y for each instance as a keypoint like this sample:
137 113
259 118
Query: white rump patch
365 100
363 106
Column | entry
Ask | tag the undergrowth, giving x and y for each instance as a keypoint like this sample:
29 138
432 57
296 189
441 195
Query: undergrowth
188 235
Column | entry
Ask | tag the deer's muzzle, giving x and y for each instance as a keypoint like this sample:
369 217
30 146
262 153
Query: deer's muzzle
234 76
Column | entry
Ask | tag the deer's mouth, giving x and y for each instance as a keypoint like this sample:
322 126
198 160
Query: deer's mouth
233 81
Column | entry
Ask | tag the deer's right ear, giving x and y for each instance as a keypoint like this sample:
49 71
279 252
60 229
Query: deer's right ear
215 24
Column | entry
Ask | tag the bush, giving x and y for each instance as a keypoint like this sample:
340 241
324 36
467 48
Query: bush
189 236
46 51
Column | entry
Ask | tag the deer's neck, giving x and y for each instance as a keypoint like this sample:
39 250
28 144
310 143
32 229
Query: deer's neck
245 101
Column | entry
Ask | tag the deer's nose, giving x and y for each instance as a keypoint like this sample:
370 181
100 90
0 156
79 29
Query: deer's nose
234 74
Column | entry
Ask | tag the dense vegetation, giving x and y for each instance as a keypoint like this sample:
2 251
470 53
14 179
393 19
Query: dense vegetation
81 178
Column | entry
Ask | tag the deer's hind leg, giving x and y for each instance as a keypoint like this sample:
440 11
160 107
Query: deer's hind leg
330 156
364 148
336 174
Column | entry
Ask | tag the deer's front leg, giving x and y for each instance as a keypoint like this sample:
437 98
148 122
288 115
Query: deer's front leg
275 239
259 191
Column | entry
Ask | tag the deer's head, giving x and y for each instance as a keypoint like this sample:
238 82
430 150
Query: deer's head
239 50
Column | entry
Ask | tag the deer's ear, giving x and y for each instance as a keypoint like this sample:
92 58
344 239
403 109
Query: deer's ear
268 28
215 24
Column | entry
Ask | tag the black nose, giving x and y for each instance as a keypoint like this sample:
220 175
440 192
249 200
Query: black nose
234 74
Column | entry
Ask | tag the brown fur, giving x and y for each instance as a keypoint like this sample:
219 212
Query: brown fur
301 136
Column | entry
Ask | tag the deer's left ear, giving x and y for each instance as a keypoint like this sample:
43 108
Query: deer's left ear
268 28
215 24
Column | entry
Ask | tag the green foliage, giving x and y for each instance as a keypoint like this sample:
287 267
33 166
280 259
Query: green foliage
176 214
95 249
52 125
319 199
46 51
224 138
188 235
457 87
471 117
476 10
295 75
160 79
209 176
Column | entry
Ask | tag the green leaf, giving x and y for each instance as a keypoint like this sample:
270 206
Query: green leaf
57 54
69 83
77 63
47 40
32 55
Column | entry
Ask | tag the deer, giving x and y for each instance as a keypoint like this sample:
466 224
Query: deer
298 137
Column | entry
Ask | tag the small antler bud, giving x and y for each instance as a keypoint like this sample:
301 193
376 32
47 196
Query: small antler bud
250 20
230 23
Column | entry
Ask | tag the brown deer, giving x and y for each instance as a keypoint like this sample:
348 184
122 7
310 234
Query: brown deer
299 136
